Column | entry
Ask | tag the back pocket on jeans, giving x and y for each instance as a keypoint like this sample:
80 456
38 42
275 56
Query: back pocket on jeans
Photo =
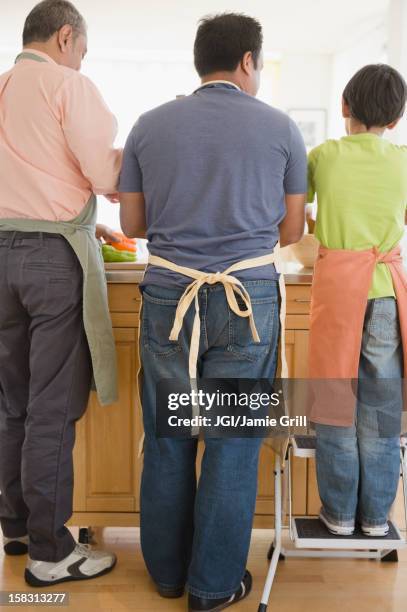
383 324
157 321
241 342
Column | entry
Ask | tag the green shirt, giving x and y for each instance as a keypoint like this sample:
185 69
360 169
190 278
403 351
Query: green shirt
361 187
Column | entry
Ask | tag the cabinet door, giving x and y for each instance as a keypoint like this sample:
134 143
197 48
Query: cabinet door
106 465
313 500
296 351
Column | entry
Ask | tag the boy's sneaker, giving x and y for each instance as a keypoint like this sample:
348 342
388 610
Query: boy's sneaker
15 546
201 604
375 531
82 564
344 528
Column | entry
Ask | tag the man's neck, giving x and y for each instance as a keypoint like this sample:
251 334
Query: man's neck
228 77
43 48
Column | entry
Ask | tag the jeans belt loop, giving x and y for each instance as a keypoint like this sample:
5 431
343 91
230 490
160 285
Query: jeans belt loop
13 237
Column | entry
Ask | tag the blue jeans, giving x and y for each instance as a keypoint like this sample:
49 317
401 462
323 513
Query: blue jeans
199 533
358 467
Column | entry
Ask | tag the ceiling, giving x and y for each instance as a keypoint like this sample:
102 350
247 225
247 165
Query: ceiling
314 26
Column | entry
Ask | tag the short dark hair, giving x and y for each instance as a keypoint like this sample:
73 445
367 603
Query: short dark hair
48 17
376 95
222 40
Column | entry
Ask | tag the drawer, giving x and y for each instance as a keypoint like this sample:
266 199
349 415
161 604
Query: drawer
298 299
123 298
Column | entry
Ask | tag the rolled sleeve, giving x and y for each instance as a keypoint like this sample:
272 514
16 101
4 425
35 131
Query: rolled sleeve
131 179
295 178
90 130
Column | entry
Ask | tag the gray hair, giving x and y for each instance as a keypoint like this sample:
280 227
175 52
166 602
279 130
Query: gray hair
48 17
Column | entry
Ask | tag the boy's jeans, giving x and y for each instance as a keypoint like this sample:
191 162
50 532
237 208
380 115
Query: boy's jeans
358 467
200 534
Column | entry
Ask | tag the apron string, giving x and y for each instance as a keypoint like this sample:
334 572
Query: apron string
233 287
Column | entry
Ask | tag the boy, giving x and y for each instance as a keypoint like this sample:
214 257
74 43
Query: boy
359 303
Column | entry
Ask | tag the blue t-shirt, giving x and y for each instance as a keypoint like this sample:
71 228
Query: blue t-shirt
214 167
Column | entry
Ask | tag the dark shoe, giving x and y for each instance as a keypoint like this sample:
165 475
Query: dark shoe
170 593
15 546
200 604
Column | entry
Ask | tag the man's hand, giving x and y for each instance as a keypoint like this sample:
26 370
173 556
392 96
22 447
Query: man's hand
108 235
112 197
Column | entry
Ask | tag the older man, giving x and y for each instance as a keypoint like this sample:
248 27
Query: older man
56 151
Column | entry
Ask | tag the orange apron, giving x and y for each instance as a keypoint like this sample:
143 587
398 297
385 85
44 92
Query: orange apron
340 289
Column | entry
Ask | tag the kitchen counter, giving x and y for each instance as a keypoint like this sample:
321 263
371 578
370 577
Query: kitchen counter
294 273
107 470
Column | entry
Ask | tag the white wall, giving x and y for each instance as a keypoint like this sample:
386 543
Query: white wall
397 52
370 49
305 80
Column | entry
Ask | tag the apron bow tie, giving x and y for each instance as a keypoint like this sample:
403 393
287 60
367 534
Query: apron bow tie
233 289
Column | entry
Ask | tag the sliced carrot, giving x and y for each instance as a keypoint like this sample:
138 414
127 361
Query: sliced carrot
124 246
122 238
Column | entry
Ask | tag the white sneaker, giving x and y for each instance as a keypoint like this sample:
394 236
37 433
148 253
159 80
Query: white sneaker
375 531
82 564
341 529
15 546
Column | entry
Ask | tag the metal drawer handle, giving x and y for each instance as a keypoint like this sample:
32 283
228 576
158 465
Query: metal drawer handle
302 301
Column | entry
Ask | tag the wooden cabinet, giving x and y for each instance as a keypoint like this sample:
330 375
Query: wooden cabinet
305 495
106 449
107 467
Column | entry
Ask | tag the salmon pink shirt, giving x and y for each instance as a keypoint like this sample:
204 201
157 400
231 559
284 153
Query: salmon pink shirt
56 141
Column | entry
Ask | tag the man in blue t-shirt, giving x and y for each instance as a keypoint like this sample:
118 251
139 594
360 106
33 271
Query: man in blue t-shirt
212 179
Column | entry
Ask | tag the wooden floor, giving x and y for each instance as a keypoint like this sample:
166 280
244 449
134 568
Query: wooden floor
301 585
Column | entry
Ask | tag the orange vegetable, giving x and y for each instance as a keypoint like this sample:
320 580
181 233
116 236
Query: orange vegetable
123 243
123 246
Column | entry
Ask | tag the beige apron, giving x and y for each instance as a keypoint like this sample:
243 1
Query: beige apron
80 233
233 287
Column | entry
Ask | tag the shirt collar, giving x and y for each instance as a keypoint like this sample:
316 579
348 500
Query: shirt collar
219 82
36 52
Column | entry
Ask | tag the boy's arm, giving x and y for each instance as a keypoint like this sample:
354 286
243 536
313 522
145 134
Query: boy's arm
131 196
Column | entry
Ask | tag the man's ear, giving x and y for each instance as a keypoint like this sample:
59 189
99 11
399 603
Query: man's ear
64 37
247 62
393 124
345 109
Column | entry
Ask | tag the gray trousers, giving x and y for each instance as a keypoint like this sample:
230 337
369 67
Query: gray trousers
45 377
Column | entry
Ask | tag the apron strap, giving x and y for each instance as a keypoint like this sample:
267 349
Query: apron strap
31 56
233 287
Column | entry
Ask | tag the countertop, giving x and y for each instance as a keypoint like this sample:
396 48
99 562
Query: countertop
294 273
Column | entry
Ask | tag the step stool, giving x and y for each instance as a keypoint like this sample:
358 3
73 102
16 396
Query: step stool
310 537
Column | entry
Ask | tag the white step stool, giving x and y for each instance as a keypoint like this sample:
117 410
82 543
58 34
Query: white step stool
311 538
